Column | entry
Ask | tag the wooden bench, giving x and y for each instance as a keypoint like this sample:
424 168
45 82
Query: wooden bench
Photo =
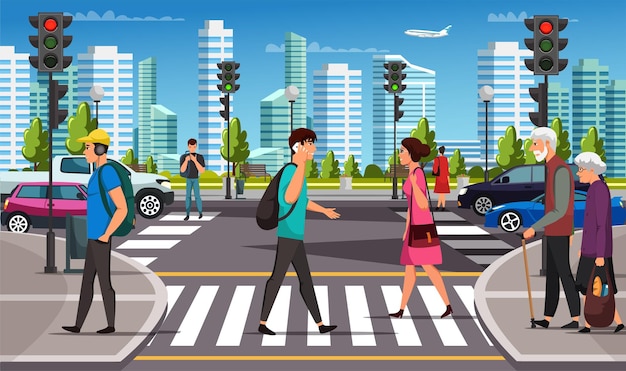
139 168
254 169
402 172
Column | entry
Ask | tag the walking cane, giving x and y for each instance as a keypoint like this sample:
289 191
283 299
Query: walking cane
530 299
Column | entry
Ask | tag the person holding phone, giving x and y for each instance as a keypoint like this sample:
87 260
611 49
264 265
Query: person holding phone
191 166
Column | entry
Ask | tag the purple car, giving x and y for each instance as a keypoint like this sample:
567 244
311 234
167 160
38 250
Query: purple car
28 205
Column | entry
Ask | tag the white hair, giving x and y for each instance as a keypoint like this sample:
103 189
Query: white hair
545 134
590 161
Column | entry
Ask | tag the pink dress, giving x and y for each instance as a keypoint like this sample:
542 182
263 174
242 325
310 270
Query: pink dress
422 255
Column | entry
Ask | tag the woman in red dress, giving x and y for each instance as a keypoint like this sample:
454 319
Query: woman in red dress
442 180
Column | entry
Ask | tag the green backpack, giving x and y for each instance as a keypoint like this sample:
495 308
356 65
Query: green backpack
129 222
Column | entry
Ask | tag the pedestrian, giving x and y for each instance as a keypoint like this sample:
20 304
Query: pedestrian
100 227
441 170
558 221
292 189
596 248
191 166
411 152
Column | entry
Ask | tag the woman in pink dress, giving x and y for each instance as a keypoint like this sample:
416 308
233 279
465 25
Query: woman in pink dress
442 181
418 213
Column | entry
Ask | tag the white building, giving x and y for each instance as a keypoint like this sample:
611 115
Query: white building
337 112
113 71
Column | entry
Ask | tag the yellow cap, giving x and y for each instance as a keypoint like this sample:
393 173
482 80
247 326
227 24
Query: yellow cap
96 136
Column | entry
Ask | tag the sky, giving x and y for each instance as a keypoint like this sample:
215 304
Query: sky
337 31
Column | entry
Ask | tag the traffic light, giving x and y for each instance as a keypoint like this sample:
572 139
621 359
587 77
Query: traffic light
540 95
228 76
56 115
50 42
394 76
225 113
546 44
397 114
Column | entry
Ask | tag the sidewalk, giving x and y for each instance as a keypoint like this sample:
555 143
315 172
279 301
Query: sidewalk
501 300
34 305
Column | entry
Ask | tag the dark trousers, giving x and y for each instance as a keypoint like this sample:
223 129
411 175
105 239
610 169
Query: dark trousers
558 267
290 251
97 261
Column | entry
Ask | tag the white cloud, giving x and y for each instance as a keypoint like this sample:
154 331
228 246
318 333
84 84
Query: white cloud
109 15
314 47
510 17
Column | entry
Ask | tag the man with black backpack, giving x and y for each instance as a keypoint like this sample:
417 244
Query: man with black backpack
292 206
191 166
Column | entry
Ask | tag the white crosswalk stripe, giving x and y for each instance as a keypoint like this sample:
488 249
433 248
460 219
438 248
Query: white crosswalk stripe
279 316
169 230
314 338
173 293
195 317
148 244
232 329
466 293
446 327
406 333
359 317
144 261
180 217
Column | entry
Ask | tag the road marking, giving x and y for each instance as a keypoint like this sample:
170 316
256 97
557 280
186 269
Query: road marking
404 328
461 230
319 358
314 274
278 319
180 217
314 338
168 230
359 317
479 245
439 216
173 293
144 261
466 293
483 259
232 329
148 244
196 315
446 327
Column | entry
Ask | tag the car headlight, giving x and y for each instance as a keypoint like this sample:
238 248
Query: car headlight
621 203
462 191
165 183
496 207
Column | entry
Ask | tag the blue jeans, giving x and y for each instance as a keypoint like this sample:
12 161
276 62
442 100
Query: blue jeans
195 184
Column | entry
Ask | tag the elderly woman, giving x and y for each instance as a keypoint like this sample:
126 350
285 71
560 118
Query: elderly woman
597 245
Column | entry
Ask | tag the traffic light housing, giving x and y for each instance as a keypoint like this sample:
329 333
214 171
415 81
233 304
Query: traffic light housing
56 115
540 95
546 44
228 76
394 76
397 114
226 112
50 41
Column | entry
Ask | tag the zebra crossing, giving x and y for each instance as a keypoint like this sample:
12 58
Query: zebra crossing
238 319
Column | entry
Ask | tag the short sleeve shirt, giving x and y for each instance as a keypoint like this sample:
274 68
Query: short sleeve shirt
97 218
292 226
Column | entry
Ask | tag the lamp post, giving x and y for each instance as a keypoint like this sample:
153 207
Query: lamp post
96 93
291 93
486 94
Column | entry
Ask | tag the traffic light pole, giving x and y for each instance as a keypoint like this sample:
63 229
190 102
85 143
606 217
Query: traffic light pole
544 242
227 109
394 186
50 239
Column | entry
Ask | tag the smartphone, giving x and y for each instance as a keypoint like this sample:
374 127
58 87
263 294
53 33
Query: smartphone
295 147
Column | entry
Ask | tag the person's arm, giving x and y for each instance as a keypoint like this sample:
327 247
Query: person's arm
183 164
418 194
295 185
329 212
199 162
117 196
561 200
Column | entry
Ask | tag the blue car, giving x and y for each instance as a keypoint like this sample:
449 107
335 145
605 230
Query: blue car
511 216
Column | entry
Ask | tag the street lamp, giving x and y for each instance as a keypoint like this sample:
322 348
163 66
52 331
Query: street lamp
486 94
96 93
291 93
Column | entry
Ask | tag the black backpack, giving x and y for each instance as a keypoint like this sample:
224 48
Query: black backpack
267 210
185 173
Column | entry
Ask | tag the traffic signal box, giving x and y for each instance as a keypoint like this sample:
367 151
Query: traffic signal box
394 77
540 95
50 42
546 44
228 76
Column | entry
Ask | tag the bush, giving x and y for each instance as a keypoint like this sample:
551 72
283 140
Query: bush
476 172
373 171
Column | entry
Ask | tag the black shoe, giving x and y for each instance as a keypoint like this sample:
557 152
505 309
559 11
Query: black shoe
437 208
397 314
619 327
448 311
106 330
76 329
186 218
324 329
443 209
200 216
264 330
543 323
585 330
573 324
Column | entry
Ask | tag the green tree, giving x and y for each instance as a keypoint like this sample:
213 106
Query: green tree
457 163
562 142
426 136
477 172
330 166
35 147
591 143
151 166
311 171
529 157
390 160
510 148
351 167
78 126
239 151
373 171
129 158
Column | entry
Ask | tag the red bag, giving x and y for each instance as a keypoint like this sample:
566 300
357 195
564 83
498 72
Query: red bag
599 310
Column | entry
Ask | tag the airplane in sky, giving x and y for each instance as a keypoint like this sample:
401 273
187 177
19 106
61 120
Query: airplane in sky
427 33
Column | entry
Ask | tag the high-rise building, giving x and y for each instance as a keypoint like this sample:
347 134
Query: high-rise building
558 106
147 97
419 101
295 74
502 67
215 44
615 129
275 124
589 80
337 111
164 124
15 114
113 71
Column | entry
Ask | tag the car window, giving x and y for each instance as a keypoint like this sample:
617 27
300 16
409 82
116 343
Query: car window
32 192
75 165
539 174
65 192
580 197
84 188
519 175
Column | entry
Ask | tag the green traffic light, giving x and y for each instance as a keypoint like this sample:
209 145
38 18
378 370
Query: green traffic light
394 87
50 61
546 45
394 67
228 87
229 76
394 76
228 67
50 42
546 64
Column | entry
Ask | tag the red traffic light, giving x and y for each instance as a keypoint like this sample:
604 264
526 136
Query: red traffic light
545 27
50 24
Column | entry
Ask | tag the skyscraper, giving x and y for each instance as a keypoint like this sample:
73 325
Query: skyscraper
419 101
295 74
113 71
558 106
275 124
502 67
615 129
147 97
337 111
215 44
163 138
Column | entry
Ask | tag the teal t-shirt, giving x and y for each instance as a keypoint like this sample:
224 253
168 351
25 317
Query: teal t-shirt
292 226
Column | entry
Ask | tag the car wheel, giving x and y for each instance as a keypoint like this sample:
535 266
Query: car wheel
150 206
510 221
482 204
18 223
